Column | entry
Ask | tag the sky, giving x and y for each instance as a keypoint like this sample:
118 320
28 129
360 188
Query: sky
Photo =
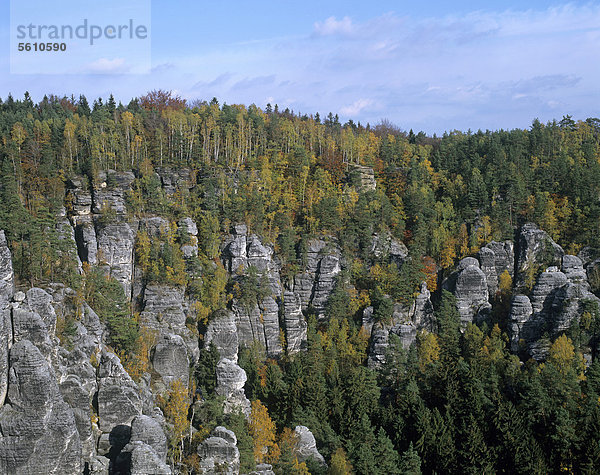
433 66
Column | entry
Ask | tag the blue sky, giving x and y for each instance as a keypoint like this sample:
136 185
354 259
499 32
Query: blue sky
431 66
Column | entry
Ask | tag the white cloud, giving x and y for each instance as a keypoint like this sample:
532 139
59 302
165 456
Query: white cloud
356 107
332 26
108 66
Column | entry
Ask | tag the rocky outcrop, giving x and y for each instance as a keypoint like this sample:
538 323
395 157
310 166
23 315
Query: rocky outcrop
116 241
188 228
222 332
363 178
119 400
384 245
572 267
494 259
404 324
173 179
534 250
261 324
142 460
314 286
110 190
170 359
307 446
163 313
469 286
520 313
219 453
38 431
294 323
230 384
148 430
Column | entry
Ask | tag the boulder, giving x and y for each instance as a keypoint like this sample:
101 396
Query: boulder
307 446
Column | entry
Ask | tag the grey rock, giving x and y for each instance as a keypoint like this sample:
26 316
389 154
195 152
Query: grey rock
99 465
147 430
28 325
155 226
259 323
572 267
164 312
111 190
263 469
230 384
470 288
534 249
119 399
314 286
174 179
520 313
170 359
189 225
7 277
294 323
222 332
422 310
40 302
87 243
142 460
116 243
163 308
365 178
38 428
307 446
219 453
385 245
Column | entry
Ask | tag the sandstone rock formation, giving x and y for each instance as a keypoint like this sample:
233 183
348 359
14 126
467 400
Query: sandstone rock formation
219 453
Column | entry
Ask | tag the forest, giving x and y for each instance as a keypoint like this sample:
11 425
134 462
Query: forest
458 400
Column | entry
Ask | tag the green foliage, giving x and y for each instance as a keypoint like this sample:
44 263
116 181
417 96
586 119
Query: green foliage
107 298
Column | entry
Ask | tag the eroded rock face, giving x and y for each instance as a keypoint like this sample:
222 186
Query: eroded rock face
314 286
385 245
294 322
404 324
163 308
173 179
494 259
116 243
572 267
149 431
534 249
307 446
170 359
119 399
219 453
230 383
222 332
260 323
38 428
141 459
7 277
520 313
163 313
110 191
470 288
